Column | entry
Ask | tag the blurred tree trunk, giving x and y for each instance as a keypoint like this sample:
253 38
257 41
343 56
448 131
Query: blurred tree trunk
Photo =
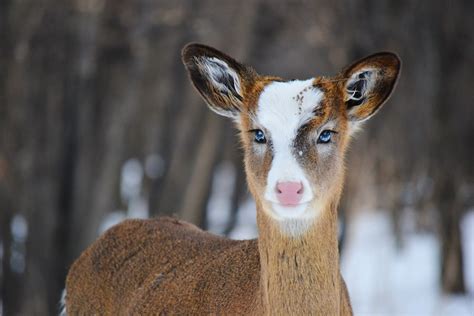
447 141
452 275
8 280
36 141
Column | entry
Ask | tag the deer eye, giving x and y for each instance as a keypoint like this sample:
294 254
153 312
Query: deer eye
259 136
325 137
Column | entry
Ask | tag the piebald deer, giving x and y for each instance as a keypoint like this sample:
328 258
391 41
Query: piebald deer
295 135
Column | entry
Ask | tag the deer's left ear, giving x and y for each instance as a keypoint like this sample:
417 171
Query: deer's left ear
369 83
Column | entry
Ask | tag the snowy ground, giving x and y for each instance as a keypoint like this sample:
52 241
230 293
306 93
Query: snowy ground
384 280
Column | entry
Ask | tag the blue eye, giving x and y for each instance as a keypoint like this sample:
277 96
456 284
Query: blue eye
325 137
260 136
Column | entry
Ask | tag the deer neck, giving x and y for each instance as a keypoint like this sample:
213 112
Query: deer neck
299 274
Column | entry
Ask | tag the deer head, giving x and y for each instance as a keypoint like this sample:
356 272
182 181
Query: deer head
294 133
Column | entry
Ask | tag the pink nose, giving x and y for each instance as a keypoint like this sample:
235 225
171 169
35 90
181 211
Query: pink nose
289 193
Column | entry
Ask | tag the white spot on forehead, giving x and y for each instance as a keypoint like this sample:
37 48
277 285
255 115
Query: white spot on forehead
283 107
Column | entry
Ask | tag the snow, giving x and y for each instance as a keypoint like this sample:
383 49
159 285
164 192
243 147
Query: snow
219 204
19 231
131 179
19 228
246 222
154 166
385 280
138 207
131 182
17 259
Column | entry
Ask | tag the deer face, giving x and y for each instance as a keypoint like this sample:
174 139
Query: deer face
294 139
295 133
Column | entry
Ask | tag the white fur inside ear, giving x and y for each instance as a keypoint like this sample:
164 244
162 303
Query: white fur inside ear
360 84
221 76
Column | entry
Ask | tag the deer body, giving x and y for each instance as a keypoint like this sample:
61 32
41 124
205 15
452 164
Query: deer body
199 278
221 276
294 134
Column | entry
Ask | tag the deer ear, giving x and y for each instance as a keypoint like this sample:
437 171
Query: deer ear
219 78
369 83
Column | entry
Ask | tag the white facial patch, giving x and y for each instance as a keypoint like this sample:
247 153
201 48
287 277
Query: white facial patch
283 107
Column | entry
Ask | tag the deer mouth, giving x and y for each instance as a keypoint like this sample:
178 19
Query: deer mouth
281 211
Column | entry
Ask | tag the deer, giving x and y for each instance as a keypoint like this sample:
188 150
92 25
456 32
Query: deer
295 135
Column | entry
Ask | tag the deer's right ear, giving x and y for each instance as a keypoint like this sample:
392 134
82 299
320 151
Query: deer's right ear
219 78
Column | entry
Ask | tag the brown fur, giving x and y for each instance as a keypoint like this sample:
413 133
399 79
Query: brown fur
300 276
165 266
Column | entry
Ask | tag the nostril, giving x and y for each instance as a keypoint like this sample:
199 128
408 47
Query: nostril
279 189
300 191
